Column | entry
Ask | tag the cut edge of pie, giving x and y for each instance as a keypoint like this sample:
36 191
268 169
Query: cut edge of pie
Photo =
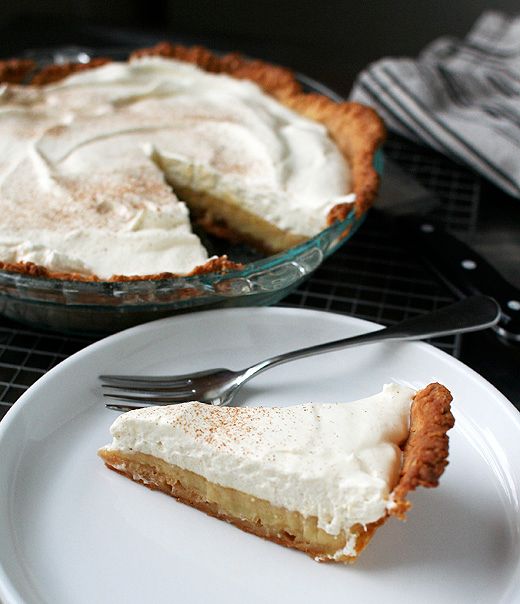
425 455
357 131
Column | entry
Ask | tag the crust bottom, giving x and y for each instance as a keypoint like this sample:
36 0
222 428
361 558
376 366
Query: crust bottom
424 459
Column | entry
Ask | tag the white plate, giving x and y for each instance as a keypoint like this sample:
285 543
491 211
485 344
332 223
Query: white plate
72 532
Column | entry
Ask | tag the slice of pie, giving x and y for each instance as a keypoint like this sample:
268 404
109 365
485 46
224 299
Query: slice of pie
104 167
319 478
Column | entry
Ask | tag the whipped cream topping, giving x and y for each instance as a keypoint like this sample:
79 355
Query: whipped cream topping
338 462
87 165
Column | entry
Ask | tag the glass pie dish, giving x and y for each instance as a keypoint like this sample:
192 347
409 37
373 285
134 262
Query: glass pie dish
100 307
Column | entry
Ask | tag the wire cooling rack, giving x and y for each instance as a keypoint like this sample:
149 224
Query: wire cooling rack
372 277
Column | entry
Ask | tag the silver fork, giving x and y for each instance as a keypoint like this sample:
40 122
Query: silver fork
219 386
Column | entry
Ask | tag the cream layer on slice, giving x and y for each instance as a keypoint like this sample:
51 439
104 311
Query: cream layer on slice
87 165
337 463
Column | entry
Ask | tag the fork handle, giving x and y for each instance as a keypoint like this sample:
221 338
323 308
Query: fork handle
470 314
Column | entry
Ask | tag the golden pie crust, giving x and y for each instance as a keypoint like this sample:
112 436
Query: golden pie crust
425 454
356 129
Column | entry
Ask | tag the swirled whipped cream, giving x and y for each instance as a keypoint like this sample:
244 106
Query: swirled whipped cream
338 462
89 165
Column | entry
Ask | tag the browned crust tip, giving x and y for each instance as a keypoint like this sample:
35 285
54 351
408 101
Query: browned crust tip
14 71
426 450
55 73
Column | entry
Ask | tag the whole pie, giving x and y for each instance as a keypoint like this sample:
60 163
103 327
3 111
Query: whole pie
105 167
319 478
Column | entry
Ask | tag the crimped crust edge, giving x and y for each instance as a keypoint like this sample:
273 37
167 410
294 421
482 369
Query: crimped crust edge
425 453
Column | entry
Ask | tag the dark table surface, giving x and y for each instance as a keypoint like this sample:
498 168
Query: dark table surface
373 277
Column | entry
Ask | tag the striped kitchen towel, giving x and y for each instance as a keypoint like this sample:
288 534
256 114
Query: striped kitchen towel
461 97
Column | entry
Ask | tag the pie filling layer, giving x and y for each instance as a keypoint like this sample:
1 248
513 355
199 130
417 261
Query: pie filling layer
89 167
318 477
249 513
